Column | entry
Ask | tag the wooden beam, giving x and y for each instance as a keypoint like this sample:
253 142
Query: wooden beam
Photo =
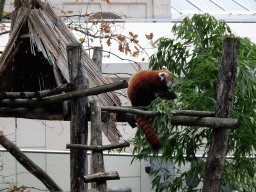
142 111
225 98
98 148
112 175
212 122
65 96
79 121
38 94
120 189
28 164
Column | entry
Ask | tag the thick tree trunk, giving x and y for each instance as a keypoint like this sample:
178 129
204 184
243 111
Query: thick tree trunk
79 122
225 99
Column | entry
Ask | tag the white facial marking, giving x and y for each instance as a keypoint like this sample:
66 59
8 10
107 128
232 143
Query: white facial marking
170 84
162 75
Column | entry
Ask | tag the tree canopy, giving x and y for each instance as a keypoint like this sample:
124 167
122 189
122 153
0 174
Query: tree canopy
194 57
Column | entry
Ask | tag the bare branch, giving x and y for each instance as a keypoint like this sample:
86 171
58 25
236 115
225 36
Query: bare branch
28 164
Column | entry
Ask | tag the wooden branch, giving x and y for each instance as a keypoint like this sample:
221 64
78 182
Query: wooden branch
65 96
192 113
120 189
112 175
79 121
38 94
217 123
142 111
225 98
97 147
62 88
130 110
28 164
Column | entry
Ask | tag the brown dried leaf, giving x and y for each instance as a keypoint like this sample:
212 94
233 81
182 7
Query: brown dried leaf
108 42
120 38
81 40
121 48
2 27
150 36
69 12
106 28
86 14
127 49
143 59
110 80
107 1
135 53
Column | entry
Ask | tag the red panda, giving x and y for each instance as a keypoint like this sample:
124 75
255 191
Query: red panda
142 89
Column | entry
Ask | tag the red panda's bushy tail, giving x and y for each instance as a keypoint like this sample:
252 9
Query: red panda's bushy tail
150 135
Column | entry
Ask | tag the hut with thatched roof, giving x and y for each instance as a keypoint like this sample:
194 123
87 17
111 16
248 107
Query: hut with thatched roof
35 59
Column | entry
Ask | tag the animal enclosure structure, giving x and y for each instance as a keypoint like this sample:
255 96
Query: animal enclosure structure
38 76
35 61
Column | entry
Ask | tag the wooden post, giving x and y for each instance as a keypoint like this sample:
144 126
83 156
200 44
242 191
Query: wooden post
225 98
97 56
97 162
79 122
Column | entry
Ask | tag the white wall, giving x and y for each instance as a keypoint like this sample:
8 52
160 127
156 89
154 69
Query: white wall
57 166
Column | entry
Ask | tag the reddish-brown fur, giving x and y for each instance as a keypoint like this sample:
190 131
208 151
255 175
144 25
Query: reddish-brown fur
141 91
150 135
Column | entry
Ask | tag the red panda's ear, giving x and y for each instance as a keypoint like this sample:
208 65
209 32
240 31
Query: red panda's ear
164 68
162 75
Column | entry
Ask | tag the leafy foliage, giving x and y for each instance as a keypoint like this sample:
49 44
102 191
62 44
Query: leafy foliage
195 56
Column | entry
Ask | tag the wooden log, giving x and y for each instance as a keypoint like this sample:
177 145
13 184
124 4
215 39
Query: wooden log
97 177
65 96
97 162
120 189
79 122
225 98
97 56
28 164
216 123
38 94
142 111
98 148
60 89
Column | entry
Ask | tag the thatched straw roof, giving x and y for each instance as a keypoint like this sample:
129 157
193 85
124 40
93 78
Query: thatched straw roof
36 51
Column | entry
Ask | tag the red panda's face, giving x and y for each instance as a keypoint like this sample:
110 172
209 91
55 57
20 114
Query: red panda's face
165 76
